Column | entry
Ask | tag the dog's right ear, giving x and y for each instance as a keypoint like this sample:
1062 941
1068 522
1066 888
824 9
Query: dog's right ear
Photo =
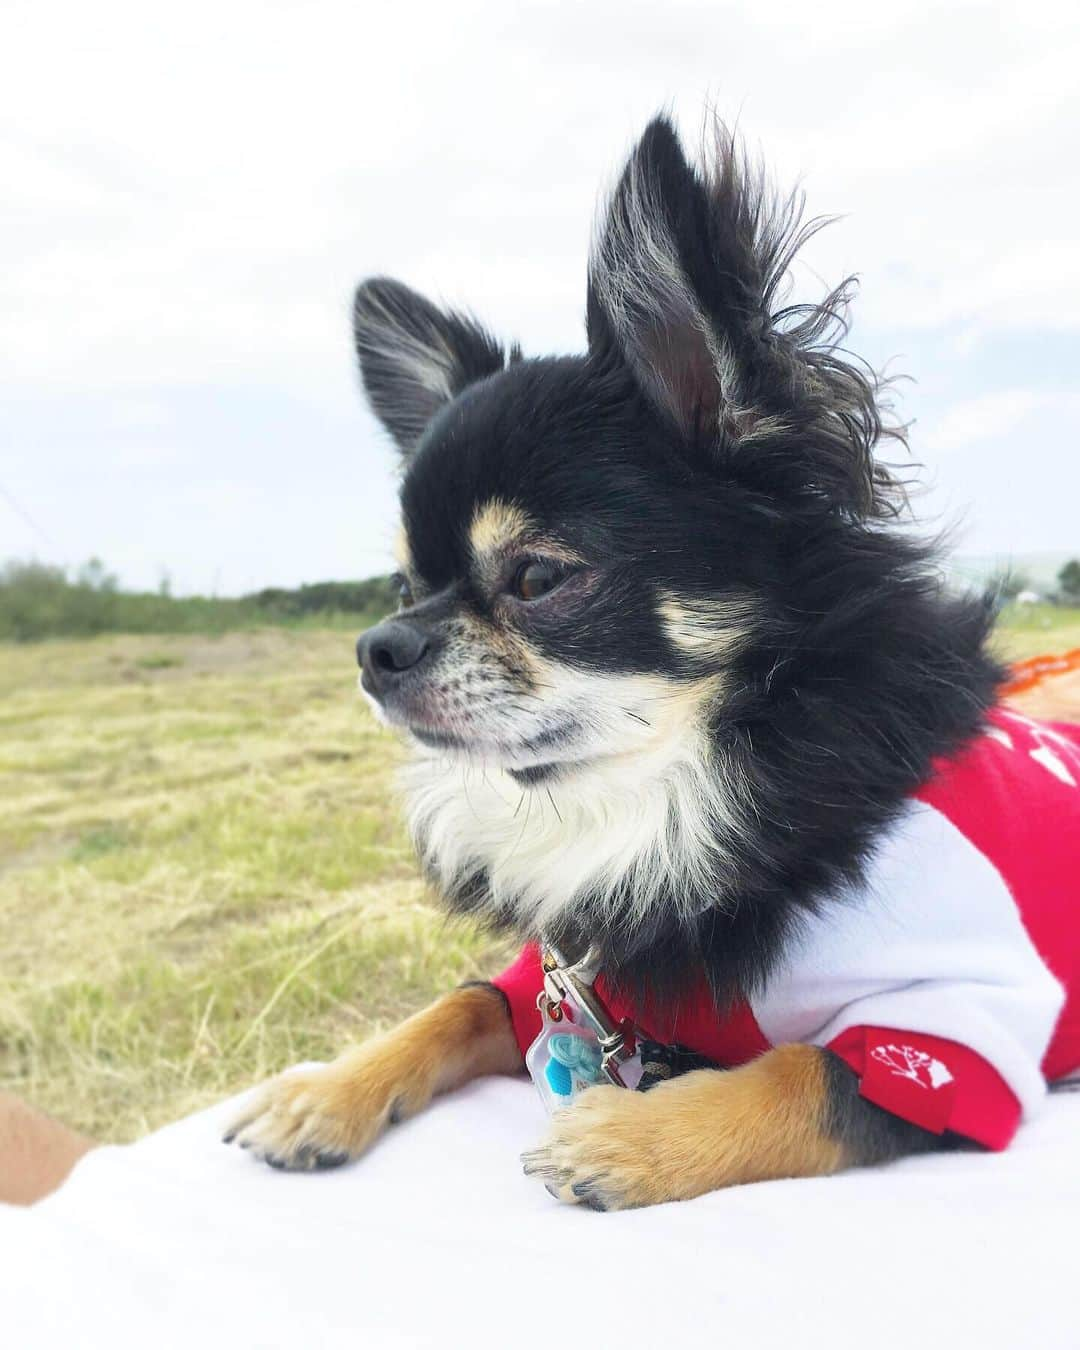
415 358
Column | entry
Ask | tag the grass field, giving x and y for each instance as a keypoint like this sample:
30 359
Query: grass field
202 873
203 876
1031 630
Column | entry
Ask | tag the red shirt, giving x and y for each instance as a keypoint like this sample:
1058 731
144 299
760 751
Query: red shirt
950 982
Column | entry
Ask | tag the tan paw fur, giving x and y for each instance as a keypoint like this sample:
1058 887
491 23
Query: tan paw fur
318 1118
615 1149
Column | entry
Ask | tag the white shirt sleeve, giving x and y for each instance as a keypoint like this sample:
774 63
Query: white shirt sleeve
933 943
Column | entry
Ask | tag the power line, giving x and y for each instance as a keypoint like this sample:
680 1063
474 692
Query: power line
25 516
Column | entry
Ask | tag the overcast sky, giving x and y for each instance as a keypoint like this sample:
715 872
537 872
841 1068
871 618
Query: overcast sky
191 191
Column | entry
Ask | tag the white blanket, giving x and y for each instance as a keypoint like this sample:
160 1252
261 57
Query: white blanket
437 1239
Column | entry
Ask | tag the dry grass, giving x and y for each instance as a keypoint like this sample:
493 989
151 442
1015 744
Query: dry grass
1032 630
203 877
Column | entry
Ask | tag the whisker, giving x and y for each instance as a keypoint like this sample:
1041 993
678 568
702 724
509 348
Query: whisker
465 789
525 824
490 786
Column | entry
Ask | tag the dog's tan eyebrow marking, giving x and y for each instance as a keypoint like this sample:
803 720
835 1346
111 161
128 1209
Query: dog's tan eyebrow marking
497 526
706 628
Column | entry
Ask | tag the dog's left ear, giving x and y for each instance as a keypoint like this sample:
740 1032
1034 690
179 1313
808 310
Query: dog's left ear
683 281
415 358
642 298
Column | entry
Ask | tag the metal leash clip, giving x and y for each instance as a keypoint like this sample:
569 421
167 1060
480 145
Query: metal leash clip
580 1044
574 984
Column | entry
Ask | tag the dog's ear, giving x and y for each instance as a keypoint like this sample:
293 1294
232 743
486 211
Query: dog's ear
683 283
415 358
642 297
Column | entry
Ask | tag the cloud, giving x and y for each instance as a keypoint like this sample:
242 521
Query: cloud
190 198
201 201
998 416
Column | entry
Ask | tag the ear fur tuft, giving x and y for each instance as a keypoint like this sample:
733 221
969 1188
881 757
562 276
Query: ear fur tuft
685 285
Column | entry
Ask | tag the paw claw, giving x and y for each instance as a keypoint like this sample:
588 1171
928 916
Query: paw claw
325 1162
589 1194
540 1164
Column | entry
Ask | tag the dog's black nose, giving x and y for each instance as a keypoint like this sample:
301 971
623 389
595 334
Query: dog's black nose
388 650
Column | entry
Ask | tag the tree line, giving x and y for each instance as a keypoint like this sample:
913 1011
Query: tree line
39 600
1009 585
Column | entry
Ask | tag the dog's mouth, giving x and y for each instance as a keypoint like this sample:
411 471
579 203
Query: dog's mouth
537 774
542 757
527 775
539 748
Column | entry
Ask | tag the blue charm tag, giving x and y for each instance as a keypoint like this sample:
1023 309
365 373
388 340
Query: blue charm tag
563 1060
566 1058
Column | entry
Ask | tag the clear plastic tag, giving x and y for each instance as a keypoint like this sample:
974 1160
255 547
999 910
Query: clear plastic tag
565 1059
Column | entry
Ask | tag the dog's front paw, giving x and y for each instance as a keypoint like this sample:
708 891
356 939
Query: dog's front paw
314 1118
603 1152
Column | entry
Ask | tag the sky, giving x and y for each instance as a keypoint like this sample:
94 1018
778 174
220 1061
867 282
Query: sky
190 194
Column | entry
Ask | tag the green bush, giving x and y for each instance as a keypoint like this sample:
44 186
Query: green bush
1069 581
41 601
375 595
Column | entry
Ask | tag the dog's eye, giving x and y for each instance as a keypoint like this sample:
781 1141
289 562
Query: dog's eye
405 595
534 579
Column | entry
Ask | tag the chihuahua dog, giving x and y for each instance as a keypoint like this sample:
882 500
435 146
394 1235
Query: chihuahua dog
683 692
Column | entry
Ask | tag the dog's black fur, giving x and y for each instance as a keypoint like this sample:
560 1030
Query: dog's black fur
709 443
